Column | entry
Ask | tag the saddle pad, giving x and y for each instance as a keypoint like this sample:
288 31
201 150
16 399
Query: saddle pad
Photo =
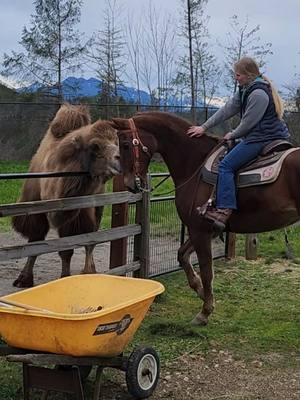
262 171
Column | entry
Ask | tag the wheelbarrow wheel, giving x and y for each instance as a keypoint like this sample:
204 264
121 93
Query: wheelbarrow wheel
142 372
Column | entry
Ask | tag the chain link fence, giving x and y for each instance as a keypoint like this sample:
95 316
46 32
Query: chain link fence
23 125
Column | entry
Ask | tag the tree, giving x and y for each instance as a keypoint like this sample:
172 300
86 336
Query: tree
107 53
52 45
291 94
134 52
198 69
158 54
241 41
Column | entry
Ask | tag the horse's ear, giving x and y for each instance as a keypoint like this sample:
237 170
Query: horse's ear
120 123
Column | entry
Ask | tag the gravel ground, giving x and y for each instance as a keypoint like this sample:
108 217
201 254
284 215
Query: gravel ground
218 376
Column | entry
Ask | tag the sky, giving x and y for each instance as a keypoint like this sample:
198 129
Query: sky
279 22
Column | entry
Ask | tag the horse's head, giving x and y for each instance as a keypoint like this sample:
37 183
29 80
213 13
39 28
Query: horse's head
137 145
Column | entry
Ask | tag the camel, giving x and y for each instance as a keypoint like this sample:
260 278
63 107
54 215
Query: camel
71 143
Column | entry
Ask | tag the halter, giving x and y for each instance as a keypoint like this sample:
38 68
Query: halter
137 144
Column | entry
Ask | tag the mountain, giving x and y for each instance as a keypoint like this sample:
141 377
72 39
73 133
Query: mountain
80 87
74 88
7 82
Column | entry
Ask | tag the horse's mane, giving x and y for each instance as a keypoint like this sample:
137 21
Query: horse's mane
167 117
176 123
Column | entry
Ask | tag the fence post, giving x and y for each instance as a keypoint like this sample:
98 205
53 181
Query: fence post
251 246
118 248
141 242
230 245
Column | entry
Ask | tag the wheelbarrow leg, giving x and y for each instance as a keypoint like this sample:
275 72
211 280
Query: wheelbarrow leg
45 395
47 379
25 381
97 389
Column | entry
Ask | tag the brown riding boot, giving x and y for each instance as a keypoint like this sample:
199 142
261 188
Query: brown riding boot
219 216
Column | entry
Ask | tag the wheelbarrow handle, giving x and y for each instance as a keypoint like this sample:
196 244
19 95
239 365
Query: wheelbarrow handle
24 306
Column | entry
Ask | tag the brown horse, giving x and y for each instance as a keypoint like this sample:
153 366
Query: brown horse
71 143
260 208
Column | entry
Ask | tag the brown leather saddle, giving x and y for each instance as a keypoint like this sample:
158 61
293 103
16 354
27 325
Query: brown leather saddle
264 169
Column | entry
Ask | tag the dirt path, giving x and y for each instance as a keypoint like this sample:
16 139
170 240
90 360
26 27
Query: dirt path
218 376
48 266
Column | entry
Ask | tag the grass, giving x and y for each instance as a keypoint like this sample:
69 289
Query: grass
257 305
257 313
10 189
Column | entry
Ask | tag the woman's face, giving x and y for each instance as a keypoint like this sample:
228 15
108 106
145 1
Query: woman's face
242 79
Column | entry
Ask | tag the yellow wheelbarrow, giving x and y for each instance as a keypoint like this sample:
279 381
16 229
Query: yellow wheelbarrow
82 320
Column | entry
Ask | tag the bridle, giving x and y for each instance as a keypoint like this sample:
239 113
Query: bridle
137 146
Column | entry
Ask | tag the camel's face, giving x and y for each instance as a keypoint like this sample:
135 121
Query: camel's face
103 157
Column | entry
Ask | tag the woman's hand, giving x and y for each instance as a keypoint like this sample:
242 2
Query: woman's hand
228 136
195 131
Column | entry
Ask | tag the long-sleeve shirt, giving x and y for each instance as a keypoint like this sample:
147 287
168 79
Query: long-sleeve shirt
257 104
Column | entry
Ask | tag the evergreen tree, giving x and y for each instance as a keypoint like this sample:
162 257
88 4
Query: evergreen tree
198 69
52 45
107 54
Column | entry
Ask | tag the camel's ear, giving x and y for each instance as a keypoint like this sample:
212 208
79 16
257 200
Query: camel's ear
120 123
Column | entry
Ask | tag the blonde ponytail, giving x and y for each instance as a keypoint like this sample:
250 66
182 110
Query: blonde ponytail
276 98
249 67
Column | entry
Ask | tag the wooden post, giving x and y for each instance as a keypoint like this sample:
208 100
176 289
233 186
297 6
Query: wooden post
230 245
118 248
141 242
251 246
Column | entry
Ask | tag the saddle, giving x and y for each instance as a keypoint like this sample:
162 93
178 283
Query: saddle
262 170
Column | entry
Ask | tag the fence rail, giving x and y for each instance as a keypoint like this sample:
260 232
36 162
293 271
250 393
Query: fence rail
70 203
137 230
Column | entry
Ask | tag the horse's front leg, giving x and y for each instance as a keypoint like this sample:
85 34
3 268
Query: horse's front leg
202 245
184 254
89 266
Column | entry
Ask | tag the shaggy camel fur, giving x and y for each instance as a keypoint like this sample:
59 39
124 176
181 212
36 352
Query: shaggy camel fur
71 143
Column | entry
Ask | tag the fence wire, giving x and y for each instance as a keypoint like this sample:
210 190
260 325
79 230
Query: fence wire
166 236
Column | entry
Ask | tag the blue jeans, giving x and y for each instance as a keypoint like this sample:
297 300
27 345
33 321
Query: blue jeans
240 155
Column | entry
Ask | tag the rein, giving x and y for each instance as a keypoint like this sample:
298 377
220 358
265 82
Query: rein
137 144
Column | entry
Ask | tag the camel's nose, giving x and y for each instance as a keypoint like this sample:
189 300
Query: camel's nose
117 161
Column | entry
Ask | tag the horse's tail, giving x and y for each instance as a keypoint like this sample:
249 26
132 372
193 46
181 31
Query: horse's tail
69 118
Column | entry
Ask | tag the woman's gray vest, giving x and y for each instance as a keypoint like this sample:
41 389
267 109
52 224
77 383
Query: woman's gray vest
270 127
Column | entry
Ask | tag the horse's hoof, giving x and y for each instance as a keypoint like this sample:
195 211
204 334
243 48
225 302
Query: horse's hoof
20 282
200 320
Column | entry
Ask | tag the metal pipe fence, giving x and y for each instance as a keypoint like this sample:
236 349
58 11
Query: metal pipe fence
167 234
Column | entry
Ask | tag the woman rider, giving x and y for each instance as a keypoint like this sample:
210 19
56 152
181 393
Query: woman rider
261 112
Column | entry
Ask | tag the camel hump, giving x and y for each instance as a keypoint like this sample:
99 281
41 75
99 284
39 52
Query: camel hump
104 130
69 118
